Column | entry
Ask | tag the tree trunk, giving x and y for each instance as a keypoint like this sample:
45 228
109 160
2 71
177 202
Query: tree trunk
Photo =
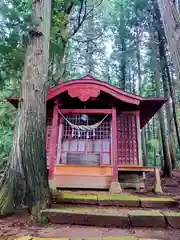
163 128
90 34
173 106
143 136
25 181
171 22
122 38
166 86
60 39
155 137
123 64
149 137
133 84
168 106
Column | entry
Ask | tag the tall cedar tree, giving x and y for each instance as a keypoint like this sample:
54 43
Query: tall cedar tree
167 82
25 179
167 165
171 22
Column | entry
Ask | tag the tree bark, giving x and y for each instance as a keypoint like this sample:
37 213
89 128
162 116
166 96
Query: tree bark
90 34
169 114
171 22
154 64
173 106
167 86
154 136
123 63
143 135
122 36
25 180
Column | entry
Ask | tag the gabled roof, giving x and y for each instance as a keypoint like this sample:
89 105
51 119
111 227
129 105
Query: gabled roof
88 86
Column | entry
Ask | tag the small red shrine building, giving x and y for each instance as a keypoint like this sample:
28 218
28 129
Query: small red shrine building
93 131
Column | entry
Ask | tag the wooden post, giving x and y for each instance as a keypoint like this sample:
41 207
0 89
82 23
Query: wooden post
158 188
140 162
59 147
115 185
53 141
114 145
139 152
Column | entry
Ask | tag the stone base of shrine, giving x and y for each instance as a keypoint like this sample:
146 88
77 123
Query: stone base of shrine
115 188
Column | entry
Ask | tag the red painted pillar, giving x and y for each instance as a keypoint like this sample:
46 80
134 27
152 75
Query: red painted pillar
114 145
53 141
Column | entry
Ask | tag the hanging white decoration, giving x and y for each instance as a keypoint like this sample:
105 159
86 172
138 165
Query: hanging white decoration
72 132
94 132
84 127
79 133
87 135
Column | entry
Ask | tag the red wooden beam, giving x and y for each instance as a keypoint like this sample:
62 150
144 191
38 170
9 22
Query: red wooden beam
53 142
86 111
114 145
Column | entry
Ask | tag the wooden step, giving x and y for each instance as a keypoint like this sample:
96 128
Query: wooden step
115 200
111 217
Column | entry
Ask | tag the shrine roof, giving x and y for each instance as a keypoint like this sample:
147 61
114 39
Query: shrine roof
89 87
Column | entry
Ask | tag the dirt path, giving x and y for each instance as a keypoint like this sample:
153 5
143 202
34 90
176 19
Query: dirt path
16 226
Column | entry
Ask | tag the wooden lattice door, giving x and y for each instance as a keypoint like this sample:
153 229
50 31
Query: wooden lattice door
86 147
127 139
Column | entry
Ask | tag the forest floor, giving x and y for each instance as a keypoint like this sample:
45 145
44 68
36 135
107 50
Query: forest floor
18 225
170 186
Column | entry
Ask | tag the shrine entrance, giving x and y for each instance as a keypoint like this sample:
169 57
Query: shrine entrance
85 140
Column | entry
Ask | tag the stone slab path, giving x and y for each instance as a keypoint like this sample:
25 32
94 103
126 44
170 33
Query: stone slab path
104 199
16 226
112 216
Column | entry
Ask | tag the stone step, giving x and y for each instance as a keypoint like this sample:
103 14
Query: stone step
115 200
89 238
111 217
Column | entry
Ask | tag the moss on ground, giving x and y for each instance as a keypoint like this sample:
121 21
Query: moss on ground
120 238
156 199
88 238
77 210
147 239
171 214
118 197
79 196
144 213
39 238
60 196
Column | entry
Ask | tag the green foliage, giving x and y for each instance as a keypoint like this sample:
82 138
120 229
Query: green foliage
106 39
154 144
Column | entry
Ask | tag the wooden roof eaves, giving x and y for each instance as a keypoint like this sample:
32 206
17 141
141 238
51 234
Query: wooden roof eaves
105 87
